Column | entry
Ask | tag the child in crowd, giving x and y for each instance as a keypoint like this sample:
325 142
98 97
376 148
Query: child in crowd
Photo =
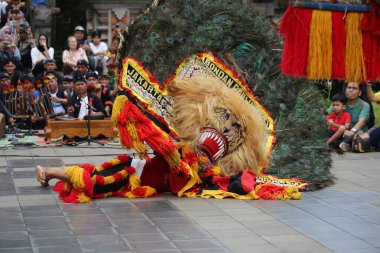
338 120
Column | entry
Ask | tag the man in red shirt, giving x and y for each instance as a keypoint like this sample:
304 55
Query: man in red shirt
338 120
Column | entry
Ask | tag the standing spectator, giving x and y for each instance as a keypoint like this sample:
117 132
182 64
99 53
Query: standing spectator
41 52
79 34
25 44
72 55
8 50
99 49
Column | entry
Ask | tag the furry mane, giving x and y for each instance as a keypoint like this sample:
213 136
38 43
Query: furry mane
194 101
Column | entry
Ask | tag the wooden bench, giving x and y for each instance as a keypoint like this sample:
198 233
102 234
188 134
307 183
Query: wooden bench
78 128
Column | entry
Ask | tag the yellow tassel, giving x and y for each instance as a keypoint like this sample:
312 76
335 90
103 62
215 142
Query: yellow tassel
137 143
320 46
118 107
354 60
216 170
134 181
75 174
82 198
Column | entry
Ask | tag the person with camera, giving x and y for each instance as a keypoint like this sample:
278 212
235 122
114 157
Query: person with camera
8 50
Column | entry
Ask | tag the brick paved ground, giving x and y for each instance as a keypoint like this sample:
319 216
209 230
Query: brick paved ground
342 218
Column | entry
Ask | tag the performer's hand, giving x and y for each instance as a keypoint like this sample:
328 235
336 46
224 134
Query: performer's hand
330 122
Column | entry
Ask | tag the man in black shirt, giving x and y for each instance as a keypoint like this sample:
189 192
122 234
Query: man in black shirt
81 101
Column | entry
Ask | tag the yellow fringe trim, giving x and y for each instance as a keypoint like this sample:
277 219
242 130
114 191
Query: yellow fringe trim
354 60
194 179
320 46
82 198
220 194
75 175
118 106
138 145
134 181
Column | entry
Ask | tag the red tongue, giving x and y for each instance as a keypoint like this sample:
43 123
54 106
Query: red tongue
213 143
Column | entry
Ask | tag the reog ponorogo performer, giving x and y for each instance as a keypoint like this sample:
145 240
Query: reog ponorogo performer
210 137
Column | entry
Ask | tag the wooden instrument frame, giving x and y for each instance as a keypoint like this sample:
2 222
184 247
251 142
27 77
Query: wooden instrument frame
78 128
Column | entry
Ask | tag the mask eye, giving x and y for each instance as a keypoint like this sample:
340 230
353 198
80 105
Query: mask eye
226 115
236 125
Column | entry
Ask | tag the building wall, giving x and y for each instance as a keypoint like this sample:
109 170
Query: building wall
105 15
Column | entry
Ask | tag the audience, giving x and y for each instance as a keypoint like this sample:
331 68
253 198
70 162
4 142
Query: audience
71 55
25 44
375 132
79 34
82 101
5 82
68 85
99 50
359 113
40 53
8 49
338 120
57 96
9 66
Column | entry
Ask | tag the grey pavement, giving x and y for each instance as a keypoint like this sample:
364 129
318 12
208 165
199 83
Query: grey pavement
341 218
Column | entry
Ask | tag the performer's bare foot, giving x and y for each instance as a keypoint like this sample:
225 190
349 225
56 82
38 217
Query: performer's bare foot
41 176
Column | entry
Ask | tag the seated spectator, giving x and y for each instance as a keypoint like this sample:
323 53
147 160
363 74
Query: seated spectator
40 53
375 134
5 30
99 50
57 96
108 94
338 120
71 55
81 69
5 82
359 113
82 101
93 84
49 66
68 85
9 66
16 19
79 34
16 4
8 50
25 44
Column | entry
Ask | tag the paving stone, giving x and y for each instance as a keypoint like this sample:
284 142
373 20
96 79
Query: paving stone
101 248
61 249
149 237
16 250
152 246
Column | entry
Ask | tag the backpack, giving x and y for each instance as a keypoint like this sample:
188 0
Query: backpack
361 142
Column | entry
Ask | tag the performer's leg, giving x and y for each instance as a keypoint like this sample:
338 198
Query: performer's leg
44 175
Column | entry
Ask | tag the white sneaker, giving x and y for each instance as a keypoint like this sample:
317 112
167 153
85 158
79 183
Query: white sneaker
345 146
